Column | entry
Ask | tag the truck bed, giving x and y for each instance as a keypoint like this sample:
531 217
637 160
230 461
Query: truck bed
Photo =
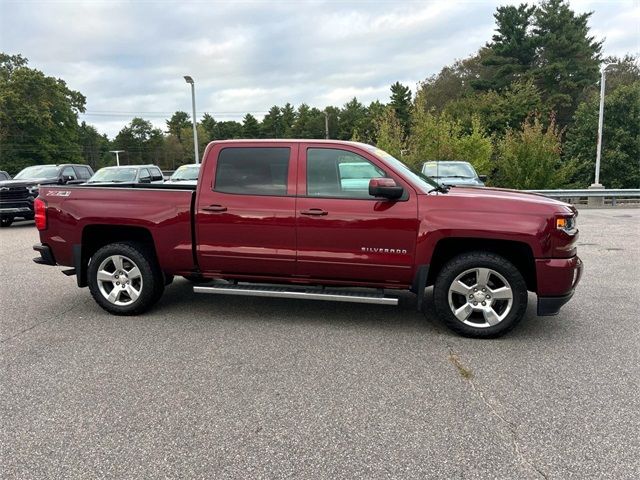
162 210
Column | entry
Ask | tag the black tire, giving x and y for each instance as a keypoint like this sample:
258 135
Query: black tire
6 222
477 325
151 281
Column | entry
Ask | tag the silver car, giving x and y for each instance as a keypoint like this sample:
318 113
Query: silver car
450 172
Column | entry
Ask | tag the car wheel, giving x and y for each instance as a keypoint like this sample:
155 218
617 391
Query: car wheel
480 295
124 278
6 222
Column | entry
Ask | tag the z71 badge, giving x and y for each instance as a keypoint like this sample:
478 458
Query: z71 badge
58 193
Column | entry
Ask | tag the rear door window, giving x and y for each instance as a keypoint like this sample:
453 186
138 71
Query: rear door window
253 171
69 172
83 172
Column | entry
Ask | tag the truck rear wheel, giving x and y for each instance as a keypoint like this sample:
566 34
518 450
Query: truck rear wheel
124 278
480 295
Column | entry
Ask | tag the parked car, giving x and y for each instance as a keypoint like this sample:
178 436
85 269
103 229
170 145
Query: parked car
186 174
274 218
17 195
4 175
128 174
453 173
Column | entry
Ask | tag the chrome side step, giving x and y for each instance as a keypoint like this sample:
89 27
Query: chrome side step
303 292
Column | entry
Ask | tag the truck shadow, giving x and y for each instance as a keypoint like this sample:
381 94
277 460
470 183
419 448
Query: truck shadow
179 301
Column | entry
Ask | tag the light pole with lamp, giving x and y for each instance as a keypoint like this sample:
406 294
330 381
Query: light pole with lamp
190 81
596 185
117 152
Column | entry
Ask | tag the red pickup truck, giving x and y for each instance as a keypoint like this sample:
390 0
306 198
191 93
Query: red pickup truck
323 220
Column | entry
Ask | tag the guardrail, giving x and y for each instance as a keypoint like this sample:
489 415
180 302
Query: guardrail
594 196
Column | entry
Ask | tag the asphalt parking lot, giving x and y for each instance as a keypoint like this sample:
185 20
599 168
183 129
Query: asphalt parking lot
216 387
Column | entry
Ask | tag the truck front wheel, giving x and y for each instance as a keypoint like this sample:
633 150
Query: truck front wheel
124 278
480 295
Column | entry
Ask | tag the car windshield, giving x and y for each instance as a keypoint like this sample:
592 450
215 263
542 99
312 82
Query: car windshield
448 170
416 176
186 173
115 175
38 171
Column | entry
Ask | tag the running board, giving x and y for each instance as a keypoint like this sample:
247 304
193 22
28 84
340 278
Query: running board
307 293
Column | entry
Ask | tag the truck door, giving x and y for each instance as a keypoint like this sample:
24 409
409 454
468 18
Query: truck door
245 210
343 233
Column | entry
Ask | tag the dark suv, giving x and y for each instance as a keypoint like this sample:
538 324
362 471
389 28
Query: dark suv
17 195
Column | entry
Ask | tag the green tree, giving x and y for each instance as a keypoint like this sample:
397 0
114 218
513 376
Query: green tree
440 137
178 122
210 126
568 58
229 129
272 126
498 110
288 120
390 133
38 116
352 117
95 147
250 126
401 105
620 161
453 82
530 158
141 143
512 51
623 71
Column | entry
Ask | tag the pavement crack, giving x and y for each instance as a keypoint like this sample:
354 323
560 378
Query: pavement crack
31 327
467 375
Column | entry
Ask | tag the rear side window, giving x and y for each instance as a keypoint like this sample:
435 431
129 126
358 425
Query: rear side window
83 173
69 172
253 171
156 174
143 173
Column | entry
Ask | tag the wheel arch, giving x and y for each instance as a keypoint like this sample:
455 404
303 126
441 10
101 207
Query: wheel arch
518 253
97 236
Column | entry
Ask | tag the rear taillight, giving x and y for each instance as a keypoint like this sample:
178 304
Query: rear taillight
40 213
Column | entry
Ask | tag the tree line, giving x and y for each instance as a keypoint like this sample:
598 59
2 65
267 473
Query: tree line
523 110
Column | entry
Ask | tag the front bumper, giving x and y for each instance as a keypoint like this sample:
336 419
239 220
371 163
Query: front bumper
557 280
4 211
46 255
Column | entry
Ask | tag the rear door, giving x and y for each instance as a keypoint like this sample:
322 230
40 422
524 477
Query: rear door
343 233
245 209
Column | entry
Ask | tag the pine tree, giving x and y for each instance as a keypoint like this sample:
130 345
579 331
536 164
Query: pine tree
401 105
250 126
568 58
513 49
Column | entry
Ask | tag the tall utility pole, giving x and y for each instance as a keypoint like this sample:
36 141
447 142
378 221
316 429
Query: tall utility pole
117 152
326 125
190 81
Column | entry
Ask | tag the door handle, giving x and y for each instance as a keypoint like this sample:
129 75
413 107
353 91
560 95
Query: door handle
314 211
215 208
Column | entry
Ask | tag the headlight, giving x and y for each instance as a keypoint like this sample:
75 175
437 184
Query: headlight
33 189
568 225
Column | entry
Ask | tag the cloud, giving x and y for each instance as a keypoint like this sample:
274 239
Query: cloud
128 58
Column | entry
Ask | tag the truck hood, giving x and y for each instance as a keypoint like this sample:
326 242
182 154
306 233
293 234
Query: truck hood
28 182
501 199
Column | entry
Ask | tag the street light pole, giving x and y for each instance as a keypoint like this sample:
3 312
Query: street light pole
117 152
190 81
326 125
603 80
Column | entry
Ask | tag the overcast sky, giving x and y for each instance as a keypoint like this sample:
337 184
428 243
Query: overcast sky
128 58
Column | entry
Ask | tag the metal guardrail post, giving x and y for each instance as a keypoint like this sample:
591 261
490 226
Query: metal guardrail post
595 201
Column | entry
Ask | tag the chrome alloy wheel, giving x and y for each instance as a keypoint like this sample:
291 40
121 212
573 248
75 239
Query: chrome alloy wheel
119 280
480 297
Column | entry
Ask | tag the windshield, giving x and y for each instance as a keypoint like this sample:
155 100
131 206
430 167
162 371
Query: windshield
415 176
186 173
38 171
448 170
115 175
